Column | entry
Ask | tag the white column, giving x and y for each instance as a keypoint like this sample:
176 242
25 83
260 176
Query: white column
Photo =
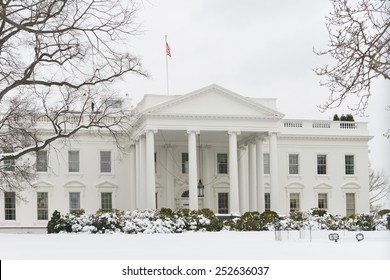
252 177
260 174
170 180
142 172
233 173
273 154
205 176
137 174
243 178
192 170
150 171
132 182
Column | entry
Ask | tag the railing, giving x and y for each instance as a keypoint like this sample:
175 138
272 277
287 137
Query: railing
321 126
292 124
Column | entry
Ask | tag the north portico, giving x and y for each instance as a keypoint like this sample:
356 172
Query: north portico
206 124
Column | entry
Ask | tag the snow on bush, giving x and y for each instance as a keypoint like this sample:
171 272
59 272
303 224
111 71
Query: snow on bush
169 221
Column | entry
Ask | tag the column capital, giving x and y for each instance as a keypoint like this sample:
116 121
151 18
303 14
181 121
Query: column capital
189 131
154 131
242 147
237 132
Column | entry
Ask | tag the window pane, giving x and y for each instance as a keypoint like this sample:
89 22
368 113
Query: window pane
267 201
349 165
350 197
105 161
10 206
42 161
266 163
42 206
106 201
223 203
184 163
222 163
321 164
294 202
293 164
323 201
74 202
74 161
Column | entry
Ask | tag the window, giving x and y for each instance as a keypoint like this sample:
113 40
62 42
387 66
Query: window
350 201
323 200
74 202
349 165
73 161
106 203
10 206
266 163
113 103
42 161
222 163
267 201
294 202
184 163
293 164
42 206
155 162
9 163
105 162
321 164
223 203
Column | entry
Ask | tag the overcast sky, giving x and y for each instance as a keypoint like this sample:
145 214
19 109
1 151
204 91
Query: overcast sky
254 48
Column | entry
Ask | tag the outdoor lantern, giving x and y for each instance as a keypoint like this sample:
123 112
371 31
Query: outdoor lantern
200 189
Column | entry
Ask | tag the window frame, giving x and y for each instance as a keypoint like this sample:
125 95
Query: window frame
42 163
293 164
78 207
222 166
223 203
9 206
104 163
42 206
267 163
324 200
349 167
295 201
184 163
73 161
350 204
322 166
103 201
267 201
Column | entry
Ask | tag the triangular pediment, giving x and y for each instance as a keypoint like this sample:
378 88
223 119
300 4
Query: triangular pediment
213 101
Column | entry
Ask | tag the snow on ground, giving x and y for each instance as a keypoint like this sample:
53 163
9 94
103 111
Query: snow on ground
223 245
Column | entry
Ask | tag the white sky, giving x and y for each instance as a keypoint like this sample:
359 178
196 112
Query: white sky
254 48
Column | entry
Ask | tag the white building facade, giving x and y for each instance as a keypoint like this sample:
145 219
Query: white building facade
211 148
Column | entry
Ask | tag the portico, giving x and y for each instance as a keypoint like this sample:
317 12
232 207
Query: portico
184 139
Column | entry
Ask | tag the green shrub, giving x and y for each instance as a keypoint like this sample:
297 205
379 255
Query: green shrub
383 212
58 223
250 221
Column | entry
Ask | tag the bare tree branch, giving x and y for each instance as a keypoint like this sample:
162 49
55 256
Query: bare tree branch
359 43
379 187
57 60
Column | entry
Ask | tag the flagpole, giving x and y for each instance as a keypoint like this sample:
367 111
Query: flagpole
166 63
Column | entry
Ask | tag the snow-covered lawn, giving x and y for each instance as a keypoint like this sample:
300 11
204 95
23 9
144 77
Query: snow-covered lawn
196 246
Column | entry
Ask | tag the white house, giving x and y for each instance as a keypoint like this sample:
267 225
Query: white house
211 148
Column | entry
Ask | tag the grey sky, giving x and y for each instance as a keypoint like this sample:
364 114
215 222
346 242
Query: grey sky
252 47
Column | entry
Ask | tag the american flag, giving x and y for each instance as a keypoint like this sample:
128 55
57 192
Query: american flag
168 50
